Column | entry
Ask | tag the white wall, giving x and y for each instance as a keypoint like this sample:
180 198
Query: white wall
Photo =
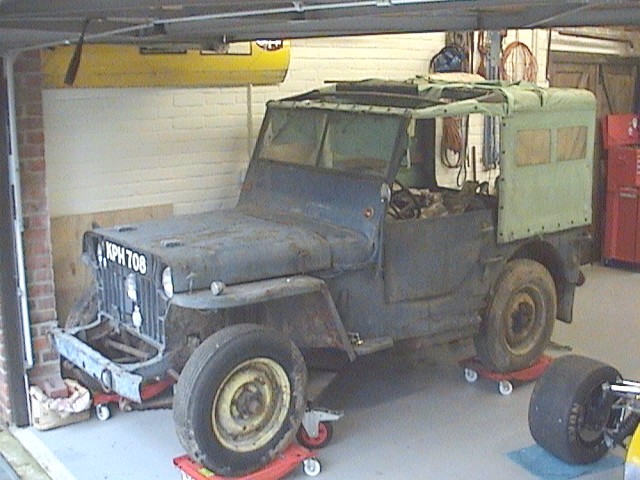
109 149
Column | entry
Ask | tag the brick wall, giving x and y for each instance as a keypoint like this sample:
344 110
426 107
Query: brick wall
36 236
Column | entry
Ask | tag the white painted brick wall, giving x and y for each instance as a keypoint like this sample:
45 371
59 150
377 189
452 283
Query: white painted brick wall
112 149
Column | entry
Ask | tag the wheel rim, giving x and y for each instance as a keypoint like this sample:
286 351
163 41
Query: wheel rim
524 318
593 417
251 405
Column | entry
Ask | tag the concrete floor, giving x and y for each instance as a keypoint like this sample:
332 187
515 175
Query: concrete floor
16 463
407 417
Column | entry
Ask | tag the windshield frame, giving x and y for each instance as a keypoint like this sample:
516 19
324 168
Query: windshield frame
395 150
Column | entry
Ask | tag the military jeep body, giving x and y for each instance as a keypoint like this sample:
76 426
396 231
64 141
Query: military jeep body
343 243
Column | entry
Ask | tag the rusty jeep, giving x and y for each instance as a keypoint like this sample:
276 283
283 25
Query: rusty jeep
344 242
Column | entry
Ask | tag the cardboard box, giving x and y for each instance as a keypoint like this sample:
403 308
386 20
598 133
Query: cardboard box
48 413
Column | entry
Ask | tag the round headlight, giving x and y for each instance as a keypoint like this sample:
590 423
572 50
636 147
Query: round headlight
167 282
130 286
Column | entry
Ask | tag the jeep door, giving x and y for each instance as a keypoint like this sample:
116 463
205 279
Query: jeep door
436 257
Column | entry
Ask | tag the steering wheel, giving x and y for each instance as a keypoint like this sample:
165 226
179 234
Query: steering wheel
403 204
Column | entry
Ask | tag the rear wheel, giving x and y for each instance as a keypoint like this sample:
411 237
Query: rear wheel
519 321
240 399
570 409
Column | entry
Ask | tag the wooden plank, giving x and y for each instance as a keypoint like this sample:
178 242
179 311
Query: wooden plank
71 275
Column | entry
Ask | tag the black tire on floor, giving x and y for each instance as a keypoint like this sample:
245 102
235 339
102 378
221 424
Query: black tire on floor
519 320
569 409
240 399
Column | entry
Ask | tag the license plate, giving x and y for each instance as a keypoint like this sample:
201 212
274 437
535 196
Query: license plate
125 257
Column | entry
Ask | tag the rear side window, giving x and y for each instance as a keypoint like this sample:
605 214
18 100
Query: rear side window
533 147
572 143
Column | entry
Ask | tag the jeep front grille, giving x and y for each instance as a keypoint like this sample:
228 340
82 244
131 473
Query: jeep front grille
116 304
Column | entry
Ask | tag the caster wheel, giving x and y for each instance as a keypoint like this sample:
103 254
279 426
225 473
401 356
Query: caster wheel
311 467
505 387
103 412
325 432
470 375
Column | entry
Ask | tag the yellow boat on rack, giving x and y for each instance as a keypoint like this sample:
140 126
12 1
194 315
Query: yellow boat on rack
257 63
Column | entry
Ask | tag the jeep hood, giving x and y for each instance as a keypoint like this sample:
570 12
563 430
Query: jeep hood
232 246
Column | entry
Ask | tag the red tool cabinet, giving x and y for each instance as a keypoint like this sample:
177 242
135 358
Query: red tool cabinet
621 138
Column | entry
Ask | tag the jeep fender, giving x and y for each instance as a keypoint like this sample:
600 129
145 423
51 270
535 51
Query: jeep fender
300 306
559 256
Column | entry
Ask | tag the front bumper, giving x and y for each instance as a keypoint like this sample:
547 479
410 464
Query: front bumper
124 379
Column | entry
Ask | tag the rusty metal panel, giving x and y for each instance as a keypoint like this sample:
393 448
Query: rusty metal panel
248 293
428 258
300 307
216 245
121 380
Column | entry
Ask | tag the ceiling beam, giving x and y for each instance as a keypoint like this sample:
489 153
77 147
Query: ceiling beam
200 22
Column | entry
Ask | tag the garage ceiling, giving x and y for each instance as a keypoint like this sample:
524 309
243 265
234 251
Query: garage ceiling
37 23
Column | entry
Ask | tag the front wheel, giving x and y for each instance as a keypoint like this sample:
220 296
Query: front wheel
519 321
240 399
570 409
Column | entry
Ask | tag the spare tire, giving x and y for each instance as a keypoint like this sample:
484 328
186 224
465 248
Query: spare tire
570 410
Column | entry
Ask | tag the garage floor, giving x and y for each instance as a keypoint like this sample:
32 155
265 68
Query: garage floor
406 417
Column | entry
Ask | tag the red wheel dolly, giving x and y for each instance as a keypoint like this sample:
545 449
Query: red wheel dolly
317 429
102 400
284 464
473 368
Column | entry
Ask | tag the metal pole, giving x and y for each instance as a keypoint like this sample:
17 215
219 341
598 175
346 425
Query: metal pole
249 120
18 226
9 254
297 7
490 147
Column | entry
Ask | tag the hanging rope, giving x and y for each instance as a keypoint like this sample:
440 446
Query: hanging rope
452 58
518 63
482 53
452 142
